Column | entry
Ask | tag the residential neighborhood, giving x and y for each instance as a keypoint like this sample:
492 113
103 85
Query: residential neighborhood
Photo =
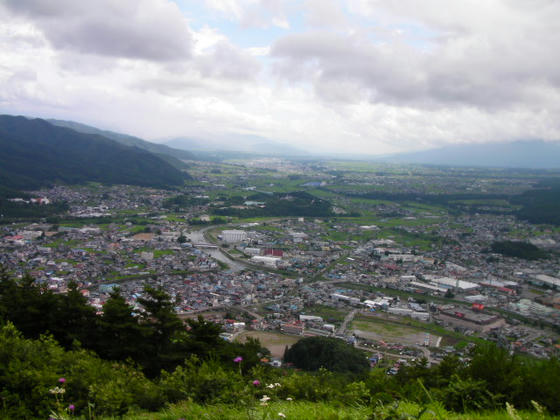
302 276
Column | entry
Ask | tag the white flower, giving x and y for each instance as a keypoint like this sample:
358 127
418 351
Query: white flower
265 398
270 386
277 384
289 399
282 415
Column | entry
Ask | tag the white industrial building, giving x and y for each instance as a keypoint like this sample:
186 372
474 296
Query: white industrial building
268 261
378 302
448 282
548 281
232 236
314 318
428 286
423 316
339 297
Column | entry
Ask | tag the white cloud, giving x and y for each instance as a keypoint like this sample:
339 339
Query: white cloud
356 76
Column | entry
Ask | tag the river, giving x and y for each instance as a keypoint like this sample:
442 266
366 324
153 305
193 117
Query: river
197 237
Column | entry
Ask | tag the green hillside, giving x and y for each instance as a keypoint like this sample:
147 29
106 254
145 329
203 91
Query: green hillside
170 154
36 153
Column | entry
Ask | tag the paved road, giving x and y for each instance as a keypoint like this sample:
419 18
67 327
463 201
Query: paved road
347 320
197 236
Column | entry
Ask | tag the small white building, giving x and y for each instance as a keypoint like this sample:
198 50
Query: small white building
314 318
252 251
268 261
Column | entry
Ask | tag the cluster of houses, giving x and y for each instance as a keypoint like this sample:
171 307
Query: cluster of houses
291 264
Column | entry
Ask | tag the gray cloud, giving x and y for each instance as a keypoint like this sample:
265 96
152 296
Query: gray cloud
325 13
353 75
151 30
469 63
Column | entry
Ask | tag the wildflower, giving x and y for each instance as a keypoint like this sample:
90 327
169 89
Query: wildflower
56 390
265 398
282 415
238 359
270 386
71 407
61 380
289 399
277 384
256 382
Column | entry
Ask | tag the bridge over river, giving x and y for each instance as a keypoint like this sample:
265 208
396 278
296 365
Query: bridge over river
199 241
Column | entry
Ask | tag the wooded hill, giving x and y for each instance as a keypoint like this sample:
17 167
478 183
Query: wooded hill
35 153
171 155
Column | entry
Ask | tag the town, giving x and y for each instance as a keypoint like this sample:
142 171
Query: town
280 249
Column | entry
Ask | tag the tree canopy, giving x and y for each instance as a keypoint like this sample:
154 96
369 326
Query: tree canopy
313 353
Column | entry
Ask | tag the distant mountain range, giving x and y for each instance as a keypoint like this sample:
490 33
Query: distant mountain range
520 154
34 153
167 153
245 143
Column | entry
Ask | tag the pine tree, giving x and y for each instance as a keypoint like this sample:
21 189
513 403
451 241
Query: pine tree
120 333
165 337
76 321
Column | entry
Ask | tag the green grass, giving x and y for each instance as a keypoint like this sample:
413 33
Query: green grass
291 410
62 242
388 328
299 410
158 253
424 327
326 312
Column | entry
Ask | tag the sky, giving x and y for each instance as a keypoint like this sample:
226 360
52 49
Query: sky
352 76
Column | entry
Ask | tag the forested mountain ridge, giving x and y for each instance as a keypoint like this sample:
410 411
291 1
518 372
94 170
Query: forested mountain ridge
35 153
170 154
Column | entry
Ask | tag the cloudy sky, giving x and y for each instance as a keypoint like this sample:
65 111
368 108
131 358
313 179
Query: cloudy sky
366 76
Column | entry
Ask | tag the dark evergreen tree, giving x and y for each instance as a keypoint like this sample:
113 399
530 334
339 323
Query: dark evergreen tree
76 321
23 302
120 334
164 334
335 355
204 337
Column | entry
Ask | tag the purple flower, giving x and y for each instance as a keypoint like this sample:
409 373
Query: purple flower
238 359
61 380
256 382
71 407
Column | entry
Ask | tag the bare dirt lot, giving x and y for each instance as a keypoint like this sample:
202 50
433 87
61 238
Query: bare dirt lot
275 342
